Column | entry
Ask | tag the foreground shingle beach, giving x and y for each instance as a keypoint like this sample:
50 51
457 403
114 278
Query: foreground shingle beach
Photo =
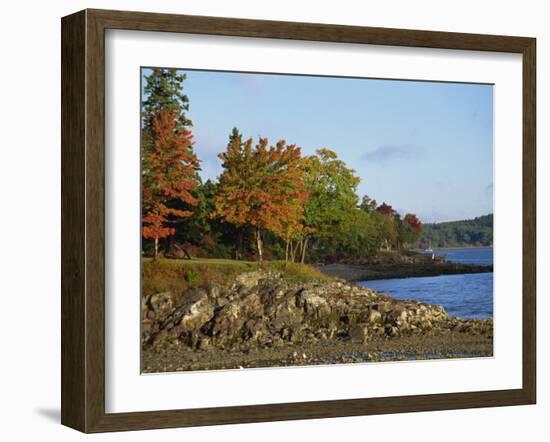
263 320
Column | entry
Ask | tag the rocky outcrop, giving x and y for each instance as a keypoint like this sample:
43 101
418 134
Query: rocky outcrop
390 259
261 310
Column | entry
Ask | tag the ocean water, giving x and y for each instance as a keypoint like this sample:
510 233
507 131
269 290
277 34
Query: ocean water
479 256
467 296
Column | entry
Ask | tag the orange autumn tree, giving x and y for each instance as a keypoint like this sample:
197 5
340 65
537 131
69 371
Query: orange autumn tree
169 173
261 186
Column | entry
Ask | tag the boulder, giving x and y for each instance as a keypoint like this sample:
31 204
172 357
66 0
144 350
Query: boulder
159 305
313 304
374 316
226 322
214 291
196 309
251 279
359 333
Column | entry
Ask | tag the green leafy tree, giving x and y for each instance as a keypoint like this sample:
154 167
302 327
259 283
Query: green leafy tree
388 225
368 204
358 237
332 186
201 233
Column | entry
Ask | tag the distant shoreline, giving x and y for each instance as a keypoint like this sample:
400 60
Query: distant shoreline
369 272
454 248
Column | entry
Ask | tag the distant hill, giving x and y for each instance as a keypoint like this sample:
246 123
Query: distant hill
470 232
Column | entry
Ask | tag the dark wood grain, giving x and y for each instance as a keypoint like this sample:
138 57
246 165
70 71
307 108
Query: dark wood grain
529 221
83 220
144 21
73 252
95 222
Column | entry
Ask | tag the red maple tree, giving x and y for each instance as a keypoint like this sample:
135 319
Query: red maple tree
413 222
169 173
387 210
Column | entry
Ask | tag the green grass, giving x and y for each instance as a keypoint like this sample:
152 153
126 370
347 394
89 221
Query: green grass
296 272
177 275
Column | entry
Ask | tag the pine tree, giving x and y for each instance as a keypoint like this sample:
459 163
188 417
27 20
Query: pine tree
169 166
163 90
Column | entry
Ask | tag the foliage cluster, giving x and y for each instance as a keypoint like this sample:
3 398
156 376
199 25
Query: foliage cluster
270 202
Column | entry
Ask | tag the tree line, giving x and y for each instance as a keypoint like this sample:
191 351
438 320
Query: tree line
471 232
270 201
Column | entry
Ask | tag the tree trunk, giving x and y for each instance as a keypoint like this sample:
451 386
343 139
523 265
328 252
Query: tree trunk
238 244
299 245
185 252
304 247
259 245
156 247
286 251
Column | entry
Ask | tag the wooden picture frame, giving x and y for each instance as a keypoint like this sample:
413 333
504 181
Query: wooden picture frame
83 220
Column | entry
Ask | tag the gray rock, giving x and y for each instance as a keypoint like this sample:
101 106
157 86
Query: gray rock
195 310
160 304
251 279
359 333
374 316
214 291
262 310
313 303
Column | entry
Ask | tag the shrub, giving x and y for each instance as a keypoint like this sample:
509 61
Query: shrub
192 277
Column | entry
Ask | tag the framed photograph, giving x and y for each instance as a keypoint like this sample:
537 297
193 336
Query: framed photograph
266 221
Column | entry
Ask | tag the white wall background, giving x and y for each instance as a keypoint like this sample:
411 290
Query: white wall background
30 214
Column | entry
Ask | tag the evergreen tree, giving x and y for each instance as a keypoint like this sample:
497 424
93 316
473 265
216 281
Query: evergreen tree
169 166
163 90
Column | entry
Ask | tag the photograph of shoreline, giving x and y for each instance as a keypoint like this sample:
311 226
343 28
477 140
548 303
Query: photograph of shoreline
302 220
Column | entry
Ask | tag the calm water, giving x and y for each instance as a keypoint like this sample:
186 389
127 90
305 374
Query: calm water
467 296
480 256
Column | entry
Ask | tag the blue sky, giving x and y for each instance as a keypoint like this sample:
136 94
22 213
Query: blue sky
423 147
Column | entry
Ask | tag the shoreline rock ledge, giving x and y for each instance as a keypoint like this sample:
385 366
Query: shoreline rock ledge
261 310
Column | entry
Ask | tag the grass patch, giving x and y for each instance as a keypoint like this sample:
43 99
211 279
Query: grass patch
177 275
296 272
